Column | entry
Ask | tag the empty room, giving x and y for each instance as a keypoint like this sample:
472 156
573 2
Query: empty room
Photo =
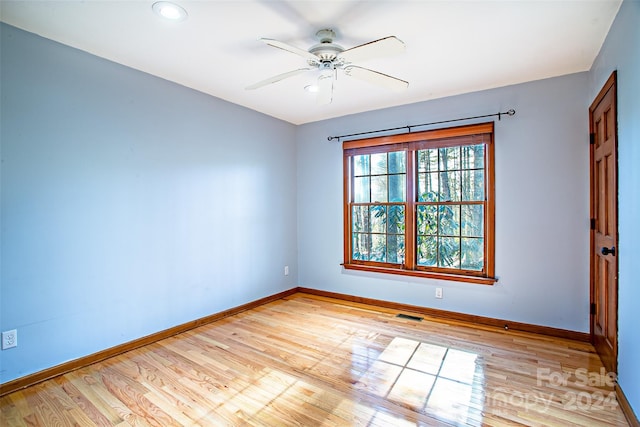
319 213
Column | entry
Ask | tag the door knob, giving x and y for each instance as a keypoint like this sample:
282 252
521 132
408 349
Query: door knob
607 251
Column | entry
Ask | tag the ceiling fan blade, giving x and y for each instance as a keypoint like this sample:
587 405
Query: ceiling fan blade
376 78
325 87
384 47
277 78
284 46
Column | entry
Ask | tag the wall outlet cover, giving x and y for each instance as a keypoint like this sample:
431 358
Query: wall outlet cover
9 339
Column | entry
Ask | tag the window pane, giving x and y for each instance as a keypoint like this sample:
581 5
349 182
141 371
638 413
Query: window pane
473 156
361 190
361 165
428 160
473 254
395 220
379 188
360 247
450 158
449 252
379 164
472 218
378 219
427 250
449 220
397 162
428 187
427 220
395 249
378 248
360 218
473 185
397 186
450 186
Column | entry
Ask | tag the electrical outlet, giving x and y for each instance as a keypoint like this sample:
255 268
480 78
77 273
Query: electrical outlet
438 292
9 339
286 270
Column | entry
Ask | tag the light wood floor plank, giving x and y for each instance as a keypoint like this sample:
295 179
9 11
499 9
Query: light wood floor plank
314 361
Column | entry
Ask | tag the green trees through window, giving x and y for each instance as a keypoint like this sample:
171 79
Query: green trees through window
378 211
450 214
421 204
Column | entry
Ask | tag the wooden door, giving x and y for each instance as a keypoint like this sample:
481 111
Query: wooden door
604 225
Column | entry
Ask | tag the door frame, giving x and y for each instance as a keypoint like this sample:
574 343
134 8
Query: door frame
611 83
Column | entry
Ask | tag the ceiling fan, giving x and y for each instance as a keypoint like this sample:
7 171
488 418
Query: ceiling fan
328 58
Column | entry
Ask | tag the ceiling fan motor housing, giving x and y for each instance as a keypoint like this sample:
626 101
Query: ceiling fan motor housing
326 50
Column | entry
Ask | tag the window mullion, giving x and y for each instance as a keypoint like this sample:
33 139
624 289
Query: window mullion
410 211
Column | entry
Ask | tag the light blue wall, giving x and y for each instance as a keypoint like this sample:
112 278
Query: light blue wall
621 52
542 206
129 204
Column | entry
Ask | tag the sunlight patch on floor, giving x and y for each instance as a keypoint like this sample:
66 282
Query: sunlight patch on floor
431 379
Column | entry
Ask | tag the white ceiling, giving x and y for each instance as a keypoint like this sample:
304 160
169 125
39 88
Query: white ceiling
453 46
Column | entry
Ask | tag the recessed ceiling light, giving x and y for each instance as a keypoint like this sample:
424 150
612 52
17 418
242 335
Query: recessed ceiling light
311 88
170 11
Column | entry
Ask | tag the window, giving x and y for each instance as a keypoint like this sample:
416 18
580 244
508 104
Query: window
421 204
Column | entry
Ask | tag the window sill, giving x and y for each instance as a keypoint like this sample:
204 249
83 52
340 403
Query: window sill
425 274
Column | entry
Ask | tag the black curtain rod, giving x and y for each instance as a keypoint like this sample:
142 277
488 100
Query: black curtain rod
508 113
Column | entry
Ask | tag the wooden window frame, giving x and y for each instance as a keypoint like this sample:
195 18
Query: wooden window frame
411 143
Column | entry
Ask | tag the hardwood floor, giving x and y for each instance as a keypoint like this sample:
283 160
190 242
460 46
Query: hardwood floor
313 361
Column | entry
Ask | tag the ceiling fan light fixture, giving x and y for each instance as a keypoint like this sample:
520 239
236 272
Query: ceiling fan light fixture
170 11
